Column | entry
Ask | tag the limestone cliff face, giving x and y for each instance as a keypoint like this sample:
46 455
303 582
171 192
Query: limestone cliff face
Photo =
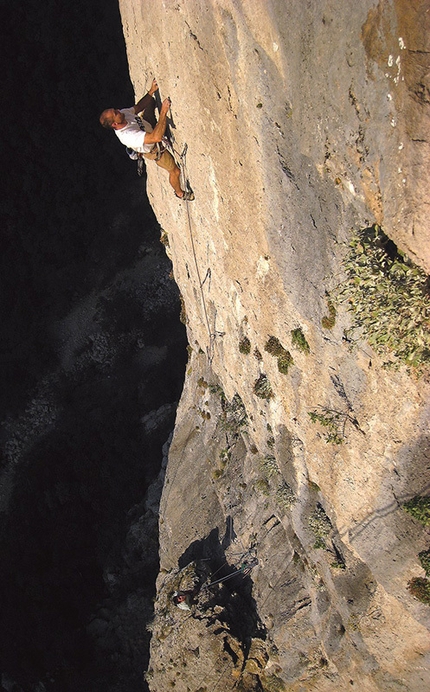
303 121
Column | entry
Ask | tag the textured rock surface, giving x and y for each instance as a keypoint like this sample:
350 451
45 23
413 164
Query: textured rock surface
304 121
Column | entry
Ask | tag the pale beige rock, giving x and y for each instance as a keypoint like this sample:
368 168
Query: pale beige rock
300 127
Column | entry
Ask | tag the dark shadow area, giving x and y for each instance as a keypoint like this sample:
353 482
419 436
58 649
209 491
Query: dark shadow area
65 174
208 548
230 535
92 360
231 590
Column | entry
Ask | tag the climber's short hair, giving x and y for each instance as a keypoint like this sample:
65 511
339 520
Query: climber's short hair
106 118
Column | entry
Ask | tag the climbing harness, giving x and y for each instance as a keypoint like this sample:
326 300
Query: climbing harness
159 147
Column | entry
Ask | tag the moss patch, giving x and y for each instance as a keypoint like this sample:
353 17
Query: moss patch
276 349
245 346
328 321
298 340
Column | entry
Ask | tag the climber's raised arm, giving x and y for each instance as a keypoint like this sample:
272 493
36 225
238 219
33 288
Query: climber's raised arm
145 100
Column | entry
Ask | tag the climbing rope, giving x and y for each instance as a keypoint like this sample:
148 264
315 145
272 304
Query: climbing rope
181 162
244 569
247 562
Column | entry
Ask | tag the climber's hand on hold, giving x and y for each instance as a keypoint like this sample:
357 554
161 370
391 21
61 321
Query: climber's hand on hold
165 106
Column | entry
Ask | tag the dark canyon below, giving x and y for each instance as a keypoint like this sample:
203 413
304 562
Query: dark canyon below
92 360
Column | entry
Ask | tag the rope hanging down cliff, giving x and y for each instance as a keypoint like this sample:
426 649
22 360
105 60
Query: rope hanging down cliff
181 162
183 598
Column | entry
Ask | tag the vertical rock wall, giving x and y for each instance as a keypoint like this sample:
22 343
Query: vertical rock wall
303 121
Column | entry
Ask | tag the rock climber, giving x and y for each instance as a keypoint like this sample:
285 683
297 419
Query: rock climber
189 582
182 600
137 128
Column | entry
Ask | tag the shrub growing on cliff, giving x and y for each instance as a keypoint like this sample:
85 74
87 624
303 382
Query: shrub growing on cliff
284 362
245 346
257 354
298 340
419 508
389 298
320 525
275 348
328 321
263 388
420 588
424 558
234 414
269 466
215 389
285 496
333 421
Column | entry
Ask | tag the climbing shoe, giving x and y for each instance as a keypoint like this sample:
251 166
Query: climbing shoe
132 154
188 196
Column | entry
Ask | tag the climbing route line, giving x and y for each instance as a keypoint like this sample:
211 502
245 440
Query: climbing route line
244 568
181 161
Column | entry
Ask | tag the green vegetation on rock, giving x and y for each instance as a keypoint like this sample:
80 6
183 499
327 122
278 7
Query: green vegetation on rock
320 525
183 313
271 683
419 508
285 496
388 297
334 421
275 348
262 485
298 340
328 321
420 588
424 558
263 388
245 346
234 414
257 354
269 466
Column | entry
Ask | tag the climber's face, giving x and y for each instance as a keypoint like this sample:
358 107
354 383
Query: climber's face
118 118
